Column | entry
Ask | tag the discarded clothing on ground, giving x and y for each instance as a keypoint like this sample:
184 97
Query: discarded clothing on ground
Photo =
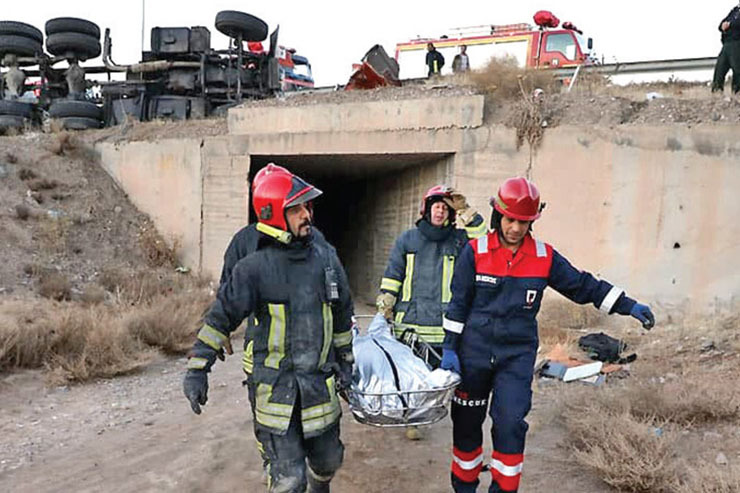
391 385
602 347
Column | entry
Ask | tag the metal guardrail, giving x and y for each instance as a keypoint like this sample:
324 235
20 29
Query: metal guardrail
645 67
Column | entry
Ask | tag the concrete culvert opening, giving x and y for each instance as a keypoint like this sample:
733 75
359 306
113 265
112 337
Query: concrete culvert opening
368 200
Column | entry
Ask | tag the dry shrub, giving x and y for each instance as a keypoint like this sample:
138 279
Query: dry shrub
54 233
55 286
709 478
92 294
504 78
156 250
63 143
26 174
169 322
24 342
42 184
132 287
22 211
627 453
11 157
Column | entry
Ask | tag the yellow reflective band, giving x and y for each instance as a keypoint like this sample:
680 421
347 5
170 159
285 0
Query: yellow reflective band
273 232
317 417
260 447
328 329
476 231
409 279
248 359
212 337
276 338
428 333
448 267
276 422
269 413
195 363
391 285
342 338
399 317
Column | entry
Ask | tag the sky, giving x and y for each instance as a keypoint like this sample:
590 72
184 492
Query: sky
335 34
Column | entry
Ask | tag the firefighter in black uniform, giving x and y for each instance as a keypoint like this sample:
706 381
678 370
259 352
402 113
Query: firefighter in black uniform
729 56
302 344
243 243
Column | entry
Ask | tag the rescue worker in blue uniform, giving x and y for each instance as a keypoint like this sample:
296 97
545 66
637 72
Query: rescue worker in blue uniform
491 332
416 283
302 343
243 243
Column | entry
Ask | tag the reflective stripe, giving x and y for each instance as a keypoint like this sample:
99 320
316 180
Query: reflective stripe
448 267
269 413
483 244
317 417
276 338
541 249
328 329
476 231
399 317
212 337
273 232
248 358
391 285
504 469
469 464
452 326
611 297
196 363
429 333
342 338
409 279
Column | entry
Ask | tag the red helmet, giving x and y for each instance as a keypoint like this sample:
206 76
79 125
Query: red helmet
267 171
435 194
518 198
276 191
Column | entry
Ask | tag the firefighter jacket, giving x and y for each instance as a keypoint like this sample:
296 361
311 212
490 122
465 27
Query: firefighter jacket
243 243
419 274
299 295
496 295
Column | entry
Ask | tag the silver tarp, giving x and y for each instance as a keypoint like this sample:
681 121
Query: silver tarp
393 387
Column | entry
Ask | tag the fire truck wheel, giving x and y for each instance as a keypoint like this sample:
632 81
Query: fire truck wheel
20 29
79 123
232 23
19 45
83 109
77 45
12 121
16 108
72 25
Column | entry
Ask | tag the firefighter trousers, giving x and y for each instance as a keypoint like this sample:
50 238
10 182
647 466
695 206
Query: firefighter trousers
296 462
728 58
252 396
506 382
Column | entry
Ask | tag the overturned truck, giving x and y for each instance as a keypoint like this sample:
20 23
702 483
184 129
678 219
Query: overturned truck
181 76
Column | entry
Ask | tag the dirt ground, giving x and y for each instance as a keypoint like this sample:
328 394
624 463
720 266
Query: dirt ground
137 433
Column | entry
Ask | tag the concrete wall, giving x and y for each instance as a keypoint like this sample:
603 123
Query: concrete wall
649 208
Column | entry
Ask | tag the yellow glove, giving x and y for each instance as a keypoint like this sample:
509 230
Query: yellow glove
457 201
385 303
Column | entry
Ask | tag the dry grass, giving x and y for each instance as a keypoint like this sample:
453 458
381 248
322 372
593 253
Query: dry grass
156 250
55 286
42 184
26 174
54 234
708 478
503 78
63 143
77 341
11 157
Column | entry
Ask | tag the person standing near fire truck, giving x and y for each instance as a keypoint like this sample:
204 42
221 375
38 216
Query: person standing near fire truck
491 332
435 61
461 62
729 56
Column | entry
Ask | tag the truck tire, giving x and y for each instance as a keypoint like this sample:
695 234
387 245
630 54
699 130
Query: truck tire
82 46
16 108
83 109
72 25
12 121
20 29
80 123
232 23
19 45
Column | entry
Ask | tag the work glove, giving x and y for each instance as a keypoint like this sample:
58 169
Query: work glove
450 361
344 369
385 303
463 211
195 387
643 314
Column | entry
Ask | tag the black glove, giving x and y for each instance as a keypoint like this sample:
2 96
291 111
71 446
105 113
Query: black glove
195 387
345 359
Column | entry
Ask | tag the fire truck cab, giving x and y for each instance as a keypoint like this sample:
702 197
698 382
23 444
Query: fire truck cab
531 47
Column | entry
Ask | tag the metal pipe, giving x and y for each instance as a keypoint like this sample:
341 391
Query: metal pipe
240 52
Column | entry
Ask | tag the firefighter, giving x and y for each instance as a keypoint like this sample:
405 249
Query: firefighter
491 332
729 55
302 343
434 60
242 244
